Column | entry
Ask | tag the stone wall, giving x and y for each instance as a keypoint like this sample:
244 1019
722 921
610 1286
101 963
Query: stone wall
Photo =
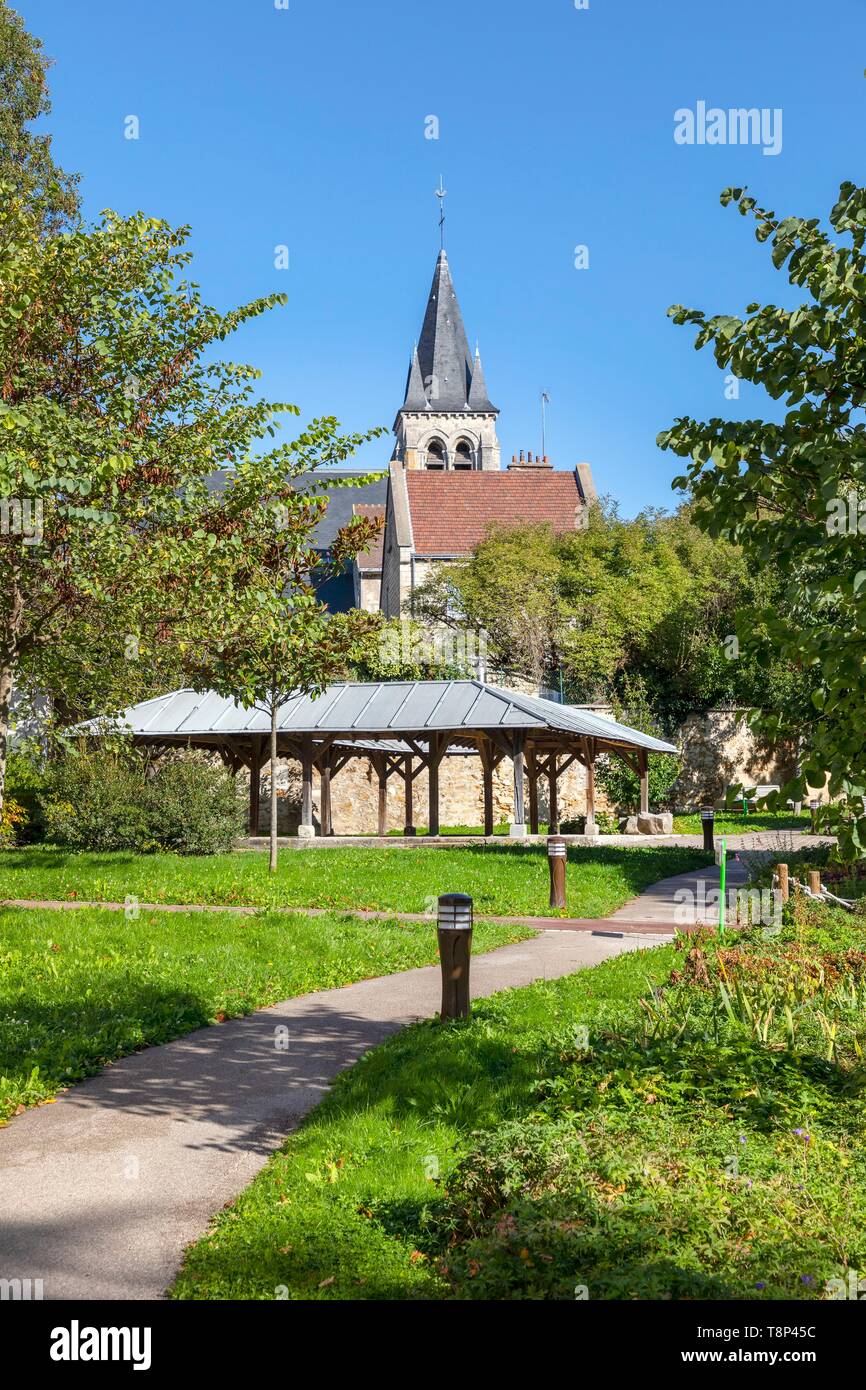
355 796
719 749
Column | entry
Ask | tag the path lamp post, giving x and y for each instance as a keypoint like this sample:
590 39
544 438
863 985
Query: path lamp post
454 924
556 861
813 807
708 822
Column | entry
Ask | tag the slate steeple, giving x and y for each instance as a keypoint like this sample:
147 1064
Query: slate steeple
447 418
447 369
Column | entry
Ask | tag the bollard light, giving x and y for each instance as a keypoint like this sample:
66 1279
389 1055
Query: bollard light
556 861
813 807
708 822
454 930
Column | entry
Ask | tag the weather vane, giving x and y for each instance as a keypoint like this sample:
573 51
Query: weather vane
441 194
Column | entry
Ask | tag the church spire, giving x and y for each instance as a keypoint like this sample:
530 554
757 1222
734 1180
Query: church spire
444 362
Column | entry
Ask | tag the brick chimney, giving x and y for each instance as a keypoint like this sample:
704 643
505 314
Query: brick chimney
529 462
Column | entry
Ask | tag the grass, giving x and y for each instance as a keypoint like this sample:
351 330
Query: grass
80 989
502 879
569 1141
735 823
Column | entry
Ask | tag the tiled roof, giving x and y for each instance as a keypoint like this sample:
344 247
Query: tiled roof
451 511
371 559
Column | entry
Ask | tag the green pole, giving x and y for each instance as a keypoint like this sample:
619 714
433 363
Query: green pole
722 869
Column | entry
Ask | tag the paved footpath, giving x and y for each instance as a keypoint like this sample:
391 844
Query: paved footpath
101 1192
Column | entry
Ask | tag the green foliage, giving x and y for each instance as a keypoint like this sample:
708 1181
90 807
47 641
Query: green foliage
13 819
116 410
194 808
26 161
790 491
105 800
650 599
620 784
96 800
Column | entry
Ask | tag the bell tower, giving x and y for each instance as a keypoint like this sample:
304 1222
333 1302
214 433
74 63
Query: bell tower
447 420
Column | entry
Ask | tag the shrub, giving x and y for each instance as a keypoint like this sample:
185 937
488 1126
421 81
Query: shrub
96 800
194 808
105 800
25 779
13 819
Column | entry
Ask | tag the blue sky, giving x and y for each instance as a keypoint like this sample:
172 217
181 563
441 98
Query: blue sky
306 127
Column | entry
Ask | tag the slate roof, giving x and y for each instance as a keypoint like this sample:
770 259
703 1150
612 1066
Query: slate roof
451 511
390 708
443 374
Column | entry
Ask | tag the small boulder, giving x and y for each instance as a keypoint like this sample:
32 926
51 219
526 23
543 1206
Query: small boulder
655 823
629 826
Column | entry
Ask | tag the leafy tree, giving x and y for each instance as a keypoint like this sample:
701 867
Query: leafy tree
294 644
619 782
114 413
586 610
790 492
26 162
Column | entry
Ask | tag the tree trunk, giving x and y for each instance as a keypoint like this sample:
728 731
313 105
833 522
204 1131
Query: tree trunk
273 859
7 680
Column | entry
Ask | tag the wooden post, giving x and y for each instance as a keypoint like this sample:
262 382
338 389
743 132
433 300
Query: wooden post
590 784
784 889
408 792
486 755
381 766
532 773
325 793
553 795
255 783
644 780
434 758
306 829
815 881
518 759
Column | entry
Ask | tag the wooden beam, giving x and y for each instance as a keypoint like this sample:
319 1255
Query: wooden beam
408 796
589 750
437 750
643 764
518 760
553 795
532 775
485 753
306 751
325 793
380 764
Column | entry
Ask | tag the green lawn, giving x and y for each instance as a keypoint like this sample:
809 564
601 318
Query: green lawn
667 1152
735 823
505 878
79 989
